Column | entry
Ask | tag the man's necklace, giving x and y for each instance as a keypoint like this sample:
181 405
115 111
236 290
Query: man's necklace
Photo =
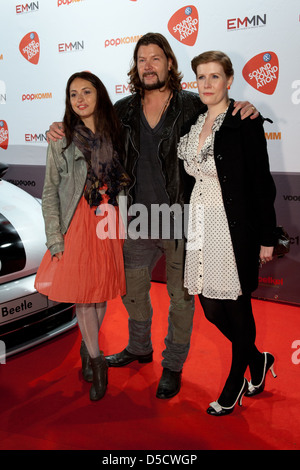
161 112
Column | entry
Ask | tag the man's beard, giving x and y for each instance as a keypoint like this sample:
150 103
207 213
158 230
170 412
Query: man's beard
153 86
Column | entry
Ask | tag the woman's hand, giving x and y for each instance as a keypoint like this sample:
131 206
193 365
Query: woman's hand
58 255
266 254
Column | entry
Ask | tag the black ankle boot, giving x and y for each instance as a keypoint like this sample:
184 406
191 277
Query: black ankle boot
169 384
99 368
85 363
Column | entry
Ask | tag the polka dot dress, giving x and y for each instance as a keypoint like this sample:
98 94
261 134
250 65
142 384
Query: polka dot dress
210 267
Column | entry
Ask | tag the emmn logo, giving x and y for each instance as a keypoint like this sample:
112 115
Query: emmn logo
27 8
2 92
255 22
35 138
71 46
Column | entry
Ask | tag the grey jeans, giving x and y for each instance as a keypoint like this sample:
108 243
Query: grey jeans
140 257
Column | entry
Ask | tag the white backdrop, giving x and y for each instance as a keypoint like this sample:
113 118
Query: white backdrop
43 42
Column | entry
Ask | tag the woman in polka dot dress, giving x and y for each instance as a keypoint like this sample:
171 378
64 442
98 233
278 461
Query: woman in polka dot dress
232 222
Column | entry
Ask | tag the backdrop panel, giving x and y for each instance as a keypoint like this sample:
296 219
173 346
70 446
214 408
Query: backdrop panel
43 42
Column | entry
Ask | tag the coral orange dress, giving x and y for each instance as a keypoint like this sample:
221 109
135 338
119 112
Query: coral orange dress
91 269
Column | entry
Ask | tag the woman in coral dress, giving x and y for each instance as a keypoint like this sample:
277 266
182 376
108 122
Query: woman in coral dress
84 260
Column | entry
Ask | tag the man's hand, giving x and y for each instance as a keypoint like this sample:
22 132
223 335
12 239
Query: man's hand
246 108
56 132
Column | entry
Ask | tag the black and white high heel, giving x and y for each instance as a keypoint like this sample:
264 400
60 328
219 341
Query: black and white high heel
215 409
268 365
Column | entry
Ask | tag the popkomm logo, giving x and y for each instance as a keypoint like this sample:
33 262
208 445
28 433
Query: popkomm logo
67 2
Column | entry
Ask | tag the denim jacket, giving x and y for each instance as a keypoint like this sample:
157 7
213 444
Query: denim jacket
65 178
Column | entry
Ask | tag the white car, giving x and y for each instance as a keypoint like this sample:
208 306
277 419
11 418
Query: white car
27 318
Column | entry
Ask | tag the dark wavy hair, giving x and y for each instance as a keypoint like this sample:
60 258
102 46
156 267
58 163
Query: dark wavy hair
174 77
106 120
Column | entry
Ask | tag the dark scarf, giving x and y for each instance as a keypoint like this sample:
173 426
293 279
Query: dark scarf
104 168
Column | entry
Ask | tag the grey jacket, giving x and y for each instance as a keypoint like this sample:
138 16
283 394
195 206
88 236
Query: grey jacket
66 172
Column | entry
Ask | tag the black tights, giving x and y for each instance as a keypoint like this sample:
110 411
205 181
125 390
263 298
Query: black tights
234 318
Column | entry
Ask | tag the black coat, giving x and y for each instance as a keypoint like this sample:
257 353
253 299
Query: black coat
182 111
248 191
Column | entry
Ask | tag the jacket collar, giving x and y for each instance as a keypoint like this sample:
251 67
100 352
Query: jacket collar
78 154
232 121
173 112
133 106
132 117
74 150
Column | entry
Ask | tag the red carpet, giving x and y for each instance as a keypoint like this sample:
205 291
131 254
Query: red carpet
45 404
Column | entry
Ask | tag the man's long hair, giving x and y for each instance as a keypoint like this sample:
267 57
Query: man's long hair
106 120
174 78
